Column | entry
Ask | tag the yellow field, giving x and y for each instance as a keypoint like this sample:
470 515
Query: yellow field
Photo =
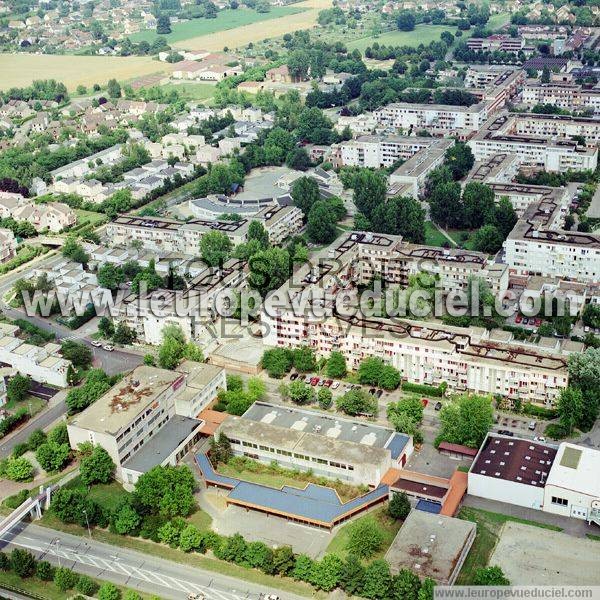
21 69
256 32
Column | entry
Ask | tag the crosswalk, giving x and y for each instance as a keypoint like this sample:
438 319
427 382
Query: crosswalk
120 566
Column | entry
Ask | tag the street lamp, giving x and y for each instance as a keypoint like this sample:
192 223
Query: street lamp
88 522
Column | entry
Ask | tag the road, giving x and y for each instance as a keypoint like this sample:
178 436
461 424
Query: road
145 573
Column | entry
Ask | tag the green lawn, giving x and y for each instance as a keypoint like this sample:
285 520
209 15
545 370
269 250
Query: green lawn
462 237
202 520
433 236
496 21
106 495
274 480
592 536
191 91
46 590
388 526
422 34
33 404
489 525
93 218
226 19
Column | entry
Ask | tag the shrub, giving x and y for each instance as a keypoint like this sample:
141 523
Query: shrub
16 500
421 388
65 579
555 431
86 585
45 571
108 591
365 538
22 563
36 439
20 449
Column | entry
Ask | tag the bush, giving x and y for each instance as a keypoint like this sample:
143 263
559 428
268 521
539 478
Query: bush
399 506
22 563
36 439
45 571
555 431
16 500
365 538
20 449
19 469
86 585
108 591
421 388
65 579
539 411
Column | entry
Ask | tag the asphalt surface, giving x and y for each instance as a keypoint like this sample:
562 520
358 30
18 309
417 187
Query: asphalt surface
145 573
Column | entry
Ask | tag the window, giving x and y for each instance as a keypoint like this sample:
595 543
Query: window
560 501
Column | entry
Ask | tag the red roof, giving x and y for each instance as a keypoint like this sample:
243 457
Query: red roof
458 449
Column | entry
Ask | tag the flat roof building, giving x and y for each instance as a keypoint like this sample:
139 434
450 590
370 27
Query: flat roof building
431 545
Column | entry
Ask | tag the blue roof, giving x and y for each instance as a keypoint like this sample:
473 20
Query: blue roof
429 506
315 502
397 444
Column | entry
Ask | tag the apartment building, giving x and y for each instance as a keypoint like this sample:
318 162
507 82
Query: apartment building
536 143
8 244
42 363
171 235
437 119
567 96
558 126
474 360
84 166
331 446
138 420
191 309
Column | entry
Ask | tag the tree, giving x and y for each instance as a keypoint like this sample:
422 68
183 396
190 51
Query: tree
378 580
405 585
570 408
314 126
504 216
352 576
488 239
325 398
86 585
466 420
190 538
256 231
305 193
277 362
44 570
545 77
283 560
591 315
110 276
65 579
132 595
106 327
304 359
357 402
220 449
108 591
303 568
18 388
297 159
59 435
365 537
168 491
259 556
172 349
445 205
79 354
406 21
125 520
399 506
300 393
490 576
369 370
389 378
22 563
369 191
459 159
478 201
97 467
336 365
426 591
326 572
52 456
321 227
215 248
584 373
19 469
400 215
163 25
269 269
74 251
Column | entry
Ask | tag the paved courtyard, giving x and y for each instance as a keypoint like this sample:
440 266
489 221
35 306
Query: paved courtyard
548 558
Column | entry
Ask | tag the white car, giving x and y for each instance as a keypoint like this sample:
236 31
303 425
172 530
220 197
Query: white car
307 379
539 438
108 348
96 343
335 385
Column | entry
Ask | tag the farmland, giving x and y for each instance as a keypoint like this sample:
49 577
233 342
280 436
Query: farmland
21 69
304 18
225 20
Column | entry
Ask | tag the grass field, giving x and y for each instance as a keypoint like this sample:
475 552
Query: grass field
305 17
389 527
489 525
191 91
433 236
422 34
91 217
21 69
226 19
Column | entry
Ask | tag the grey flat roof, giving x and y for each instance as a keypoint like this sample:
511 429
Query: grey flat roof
160 446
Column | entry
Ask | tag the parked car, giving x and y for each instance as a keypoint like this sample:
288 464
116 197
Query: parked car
506 432
307 379
438 406
335 385
525 321
424 402
538 322
293 376
372 391
356 387
328 382
531 425
518 319
314 381
96 343
539 438
108 347
379 393
321 382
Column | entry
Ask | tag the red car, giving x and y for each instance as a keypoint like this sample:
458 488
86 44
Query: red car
518 319
538 322
328 382
314 381
424 401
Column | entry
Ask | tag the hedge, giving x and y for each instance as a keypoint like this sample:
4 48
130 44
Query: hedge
421 388
539 411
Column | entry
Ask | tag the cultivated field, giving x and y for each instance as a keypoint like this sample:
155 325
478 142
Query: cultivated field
422 34
256 32
21 69
225 19
547 558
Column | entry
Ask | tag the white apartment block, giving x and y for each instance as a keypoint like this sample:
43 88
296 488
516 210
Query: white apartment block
564 95
138 421
8 244
42 363
558 126
84 166
53 216
437 119
534 144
